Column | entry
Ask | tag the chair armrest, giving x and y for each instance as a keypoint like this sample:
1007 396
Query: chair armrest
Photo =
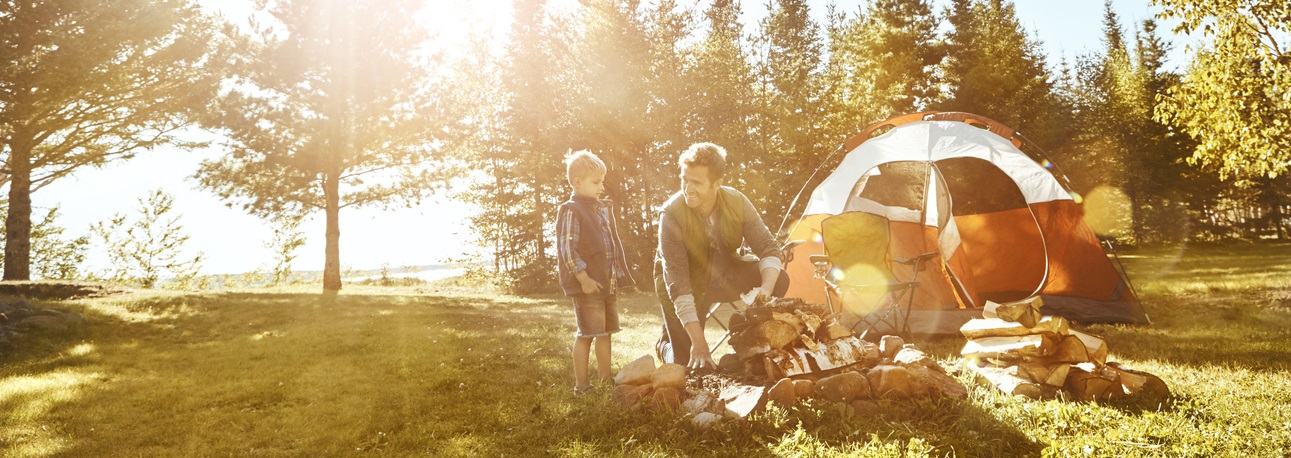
919 258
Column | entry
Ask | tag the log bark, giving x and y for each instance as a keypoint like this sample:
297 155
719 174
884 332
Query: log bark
1090 382
1141 384
831 355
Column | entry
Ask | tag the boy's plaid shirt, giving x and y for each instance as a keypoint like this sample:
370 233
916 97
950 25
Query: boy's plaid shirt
570 236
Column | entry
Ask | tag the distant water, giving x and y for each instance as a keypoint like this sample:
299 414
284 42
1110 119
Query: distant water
430 274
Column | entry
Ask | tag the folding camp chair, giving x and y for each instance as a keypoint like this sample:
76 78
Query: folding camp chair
857 269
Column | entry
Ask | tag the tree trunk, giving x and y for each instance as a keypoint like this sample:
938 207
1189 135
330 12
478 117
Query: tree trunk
332 252
17 247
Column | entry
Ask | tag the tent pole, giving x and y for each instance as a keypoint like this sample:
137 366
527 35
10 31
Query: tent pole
789 211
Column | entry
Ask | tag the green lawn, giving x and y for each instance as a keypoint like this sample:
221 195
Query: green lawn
449 371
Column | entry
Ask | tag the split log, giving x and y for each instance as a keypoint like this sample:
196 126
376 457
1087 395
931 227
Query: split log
778 333
1141 384
808 343
1051 374
1069 349
1090 382
1009 348
1026 311
1008 383
791 318
1095 345
996 327
832 330
810 321
741 400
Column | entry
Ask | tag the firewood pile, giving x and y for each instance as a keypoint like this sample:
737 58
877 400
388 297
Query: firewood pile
1023 353
787 350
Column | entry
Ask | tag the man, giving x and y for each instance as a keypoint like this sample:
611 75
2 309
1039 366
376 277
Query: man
701 230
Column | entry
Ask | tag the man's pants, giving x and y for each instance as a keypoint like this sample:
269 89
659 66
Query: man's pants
674 344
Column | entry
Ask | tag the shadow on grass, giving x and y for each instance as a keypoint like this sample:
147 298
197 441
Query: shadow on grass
303 374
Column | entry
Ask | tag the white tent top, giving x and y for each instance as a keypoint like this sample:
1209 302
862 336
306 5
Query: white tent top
932 141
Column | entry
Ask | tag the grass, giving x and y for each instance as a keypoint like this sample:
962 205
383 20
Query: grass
443 370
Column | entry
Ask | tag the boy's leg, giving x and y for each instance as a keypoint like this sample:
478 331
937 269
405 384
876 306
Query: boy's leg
582 350
603 359
603 353
589 312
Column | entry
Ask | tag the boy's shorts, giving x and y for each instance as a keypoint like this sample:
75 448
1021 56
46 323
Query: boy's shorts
597 314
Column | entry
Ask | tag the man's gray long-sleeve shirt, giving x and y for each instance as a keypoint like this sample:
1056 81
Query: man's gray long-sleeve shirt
676 265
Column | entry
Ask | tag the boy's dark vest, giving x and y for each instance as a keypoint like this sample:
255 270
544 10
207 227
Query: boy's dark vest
591 247
730 232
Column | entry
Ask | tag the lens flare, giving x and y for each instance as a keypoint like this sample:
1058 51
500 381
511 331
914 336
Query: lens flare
1075 196
1108 211
1046 164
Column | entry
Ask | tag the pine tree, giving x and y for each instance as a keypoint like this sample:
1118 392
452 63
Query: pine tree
721 101
789 93
902 51
994 69
328 115
635 111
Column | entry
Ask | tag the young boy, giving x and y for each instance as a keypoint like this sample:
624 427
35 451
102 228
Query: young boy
591 264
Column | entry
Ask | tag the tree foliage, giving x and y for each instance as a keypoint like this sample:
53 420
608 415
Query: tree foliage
86 82
1235 99
53 255
148 246
324 113
995 69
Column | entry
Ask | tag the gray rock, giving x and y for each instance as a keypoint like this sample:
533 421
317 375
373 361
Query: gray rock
844 387
890 345
782 394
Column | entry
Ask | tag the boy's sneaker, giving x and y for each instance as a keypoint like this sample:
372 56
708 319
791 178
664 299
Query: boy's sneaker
584 389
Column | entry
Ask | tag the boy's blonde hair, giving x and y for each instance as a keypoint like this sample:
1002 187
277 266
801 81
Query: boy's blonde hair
706 155
582 164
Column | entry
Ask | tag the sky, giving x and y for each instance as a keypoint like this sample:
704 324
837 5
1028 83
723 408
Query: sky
437 230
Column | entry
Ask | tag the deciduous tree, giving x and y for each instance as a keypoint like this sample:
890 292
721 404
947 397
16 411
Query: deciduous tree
86 82
1235 98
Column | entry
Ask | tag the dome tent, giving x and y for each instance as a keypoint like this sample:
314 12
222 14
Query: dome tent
1004 226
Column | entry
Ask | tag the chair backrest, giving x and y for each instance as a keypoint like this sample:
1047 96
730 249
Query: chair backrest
857 244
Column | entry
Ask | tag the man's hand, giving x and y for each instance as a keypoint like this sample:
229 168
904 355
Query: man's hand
756 296
700 360
589 286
